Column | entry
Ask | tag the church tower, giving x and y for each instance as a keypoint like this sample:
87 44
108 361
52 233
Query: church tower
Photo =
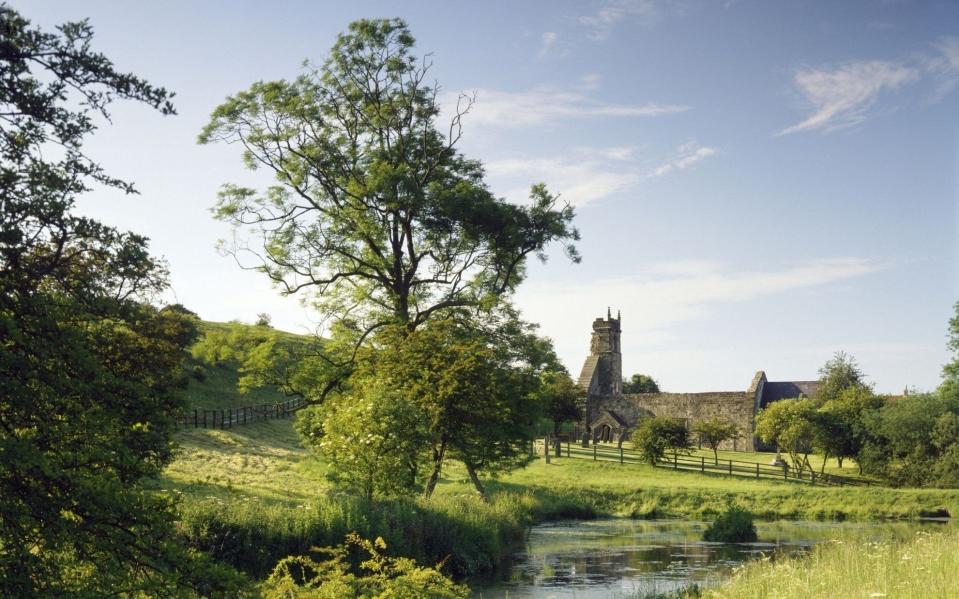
602 373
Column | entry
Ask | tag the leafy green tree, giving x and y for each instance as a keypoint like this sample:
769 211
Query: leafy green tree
839 373
790 425
89 370
640 383
654 436
561 397
844 432
374 210
714 431
372 437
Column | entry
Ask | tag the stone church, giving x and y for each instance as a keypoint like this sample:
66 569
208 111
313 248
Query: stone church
611 415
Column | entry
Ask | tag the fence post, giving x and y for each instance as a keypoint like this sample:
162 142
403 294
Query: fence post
196 418
730 467
757 471
620 454
221 419
702 465
568 443
675 461
594 452
546 447
812 479
231 417
785 471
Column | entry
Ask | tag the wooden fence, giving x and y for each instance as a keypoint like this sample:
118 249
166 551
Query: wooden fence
230 417
614 453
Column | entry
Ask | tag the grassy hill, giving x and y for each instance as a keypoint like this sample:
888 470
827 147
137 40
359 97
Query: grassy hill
216 387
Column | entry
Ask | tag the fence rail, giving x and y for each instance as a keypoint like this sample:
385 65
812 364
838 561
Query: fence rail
702 464
230 417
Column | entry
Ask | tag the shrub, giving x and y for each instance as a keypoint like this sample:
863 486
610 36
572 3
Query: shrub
302 577
199 373
735 525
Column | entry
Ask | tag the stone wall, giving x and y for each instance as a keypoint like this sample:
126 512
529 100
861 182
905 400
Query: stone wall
737 406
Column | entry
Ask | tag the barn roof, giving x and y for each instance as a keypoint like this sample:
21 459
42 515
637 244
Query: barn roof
774 391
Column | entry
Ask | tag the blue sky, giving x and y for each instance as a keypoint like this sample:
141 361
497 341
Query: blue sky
757 184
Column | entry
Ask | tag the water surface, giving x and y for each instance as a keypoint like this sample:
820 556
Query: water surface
620 558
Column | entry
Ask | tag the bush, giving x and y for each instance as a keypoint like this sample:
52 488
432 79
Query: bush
303 577
735 525
199 373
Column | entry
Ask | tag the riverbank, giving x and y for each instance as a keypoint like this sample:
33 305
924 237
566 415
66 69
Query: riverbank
252 495
923 567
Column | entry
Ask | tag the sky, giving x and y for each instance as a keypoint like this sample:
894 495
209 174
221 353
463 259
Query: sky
758 184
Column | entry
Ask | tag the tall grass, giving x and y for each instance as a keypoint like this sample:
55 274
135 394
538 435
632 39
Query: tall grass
925 567
470 535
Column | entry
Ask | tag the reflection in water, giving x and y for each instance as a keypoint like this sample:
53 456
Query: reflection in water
618 557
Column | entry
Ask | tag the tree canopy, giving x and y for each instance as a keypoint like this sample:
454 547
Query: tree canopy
374 210
640 383
88 368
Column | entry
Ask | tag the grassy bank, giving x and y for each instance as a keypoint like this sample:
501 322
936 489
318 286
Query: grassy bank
922 568
252 495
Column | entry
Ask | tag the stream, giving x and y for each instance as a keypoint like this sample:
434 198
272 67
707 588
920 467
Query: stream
630 559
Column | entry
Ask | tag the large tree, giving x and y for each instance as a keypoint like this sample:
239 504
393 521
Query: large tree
374 210
88 369
561 397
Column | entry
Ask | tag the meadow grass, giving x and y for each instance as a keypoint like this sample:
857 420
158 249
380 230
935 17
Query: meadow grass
924 567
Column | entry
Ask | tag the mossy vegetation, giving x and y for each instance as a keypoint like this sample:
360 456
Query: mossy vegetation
735 525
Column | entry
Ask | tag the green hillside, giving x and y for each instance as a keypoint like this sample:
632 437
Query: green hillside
214 387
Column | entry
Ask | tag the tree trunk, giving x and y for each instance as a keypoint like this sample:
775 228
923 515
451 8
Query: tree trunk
476 481
438 456
715 456
825 458
839 458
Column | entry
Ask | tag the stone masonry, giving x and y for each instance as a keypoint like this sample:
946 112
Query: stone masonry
610 415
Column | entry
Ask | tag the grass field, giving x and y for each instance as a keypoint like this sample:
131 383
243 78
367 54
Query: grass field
266 462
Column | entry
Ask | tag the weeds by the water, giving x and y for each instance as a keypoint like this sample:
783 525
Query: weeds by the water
924 567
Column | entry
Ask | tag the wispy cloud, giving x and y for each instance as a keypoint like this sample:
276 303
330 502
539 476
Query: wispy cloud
579 180
547 41
587 175
845 95
545 105
686 156
665 295
600 23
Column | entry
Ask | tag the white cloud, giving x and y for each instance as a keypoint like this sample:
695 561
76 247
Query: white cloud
494 108
944 66
663 296
547 41
586 175
601 23
578 182
687 155
842 97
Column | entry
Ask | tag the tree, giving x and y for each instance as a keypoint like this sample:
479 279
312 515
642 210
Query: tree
791 426
839 373
374 210
714 431
88 368
372 438
655 436
561 397
843 429
263 320
640 383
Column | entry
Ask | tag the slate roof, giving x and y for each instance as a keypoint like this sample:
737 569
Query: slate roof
786 390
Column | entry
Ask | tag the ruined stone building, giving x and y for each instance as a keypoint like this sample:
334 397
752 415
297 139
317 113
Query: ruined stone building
610 415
